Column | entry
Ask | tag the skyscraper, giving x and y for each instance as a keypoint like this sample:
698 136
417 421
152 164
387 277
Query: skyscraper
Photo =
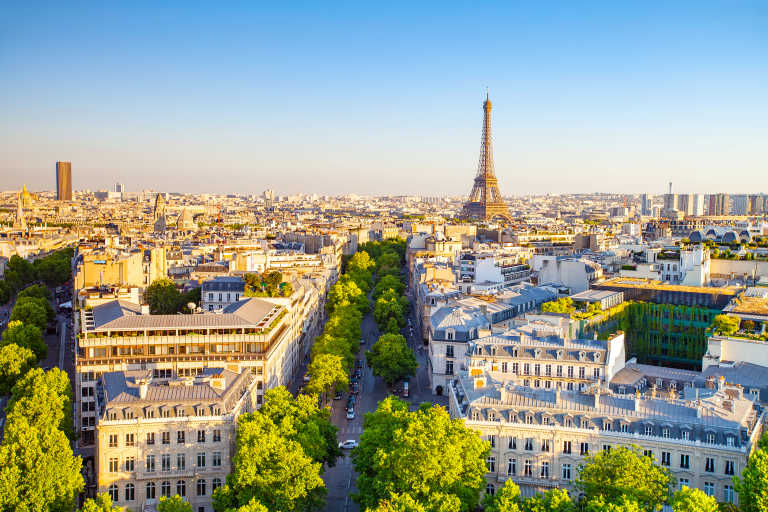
485 201
64 181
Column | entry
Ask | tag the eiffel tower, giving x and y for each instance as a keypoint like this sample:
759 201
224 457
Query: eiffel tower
485 201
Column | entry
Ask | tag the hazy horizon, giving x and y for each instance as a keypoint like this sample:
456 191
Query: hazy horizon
386 99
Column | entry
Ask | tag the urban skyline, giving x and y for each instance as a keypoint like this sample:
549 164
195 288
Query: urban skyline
618 98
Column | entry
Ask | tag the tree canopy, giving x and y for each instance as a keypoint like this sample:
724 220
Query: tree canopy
392 359
625 472
26 336
689 499
15 361
561 305
726 325
753 484
102 503
173 504
424 454
30 311
327 371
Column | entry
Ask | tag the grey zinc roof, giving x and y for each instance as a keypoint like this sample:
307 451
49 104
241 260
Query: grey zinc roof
746 374
457 318
125 316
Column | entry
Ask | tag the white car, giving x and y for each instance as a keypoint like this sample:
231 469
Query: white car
307 376
348 444
351 414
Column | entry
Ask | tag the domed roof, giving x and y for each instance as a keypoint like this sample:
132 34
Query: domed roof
729 237
744 235
696 236
711 232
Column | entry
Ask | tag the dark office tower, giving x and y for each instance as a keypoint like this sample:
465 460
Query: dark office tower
64 181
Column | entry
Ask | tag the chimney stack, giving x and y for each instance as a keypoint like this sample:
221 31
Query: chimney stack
143 388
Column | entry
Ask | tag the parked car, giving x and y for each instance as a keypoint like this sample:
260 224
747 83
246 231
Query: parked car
405 389
355 388
358 373
348 444
351 414
353 379
362 341
307 376
337 396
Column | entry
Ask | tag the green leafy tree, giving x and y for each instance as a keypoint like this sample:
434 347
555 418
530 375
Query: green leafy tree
327 371
424 454
271 469
6 292
44 400
392 359
31 312
38 471
622 504
163 297
301 420
625 472
506 499
390 305
15 361
561 305
102 503
36 290
251 506
389 282
26 336
55 269
726 325
554 500
406 503
22 268
192 296
753 484
173 504
688 499
44 303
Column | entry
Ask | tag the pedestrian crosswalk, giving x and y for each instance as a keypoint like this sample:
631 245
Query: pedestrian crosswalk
351 429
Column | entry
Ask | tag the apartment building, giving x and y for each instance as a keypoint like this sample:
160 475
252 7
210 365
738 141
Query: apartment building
481 273
539 437
268 336
220 292
162 435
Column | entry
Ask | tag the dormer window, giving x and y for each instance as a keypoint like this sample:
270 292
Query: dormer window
450 335
529 419
711 438
475 415
730 441
150 413
128 414
514 351
596 357
537 353
582 355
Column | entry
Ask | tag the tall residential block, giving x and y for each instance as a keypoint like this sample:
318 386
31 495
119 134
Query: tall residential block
64 181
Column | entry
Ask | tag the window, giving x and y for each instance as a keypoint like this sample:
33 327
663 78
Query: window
548 370
166 438
529 444
683 482
130 463
648 430
606 448
526 369
582 372
513 443
130 492
729 440
181 462
709 488
545 420
685 461
686 435
545 445
729 467
709 465
113 492
181 488
217 459
624 427
596 373
665 458
492 439
150 438
665 433
215 484
711 438
449 351
607 425
130 440
113 465
490 462
537 369
449 367
180 436
544 473
566 447
504 367
150 463
511 467
728 494
150 490
201 487
566 471
201 460
648 453
490 489
528 468
570 372
201 436
515 368
165 488
584 449
217 436
165 460
113 440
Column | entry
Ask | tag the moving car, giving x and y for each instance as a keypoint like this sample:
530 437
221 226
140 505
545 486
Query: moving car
405 389
307 376
348 444
337 396
351 414
362 341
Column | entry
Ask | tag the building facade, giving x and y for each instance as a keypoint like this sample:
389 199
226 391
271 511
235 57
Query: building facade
220 292
64 181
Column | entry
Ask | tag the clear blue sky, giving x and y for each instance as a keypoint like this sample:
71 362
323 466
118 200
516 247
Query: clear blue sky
385 97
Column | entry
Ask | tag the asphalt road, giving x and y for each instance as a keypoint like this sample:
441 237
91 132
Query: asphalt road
340 480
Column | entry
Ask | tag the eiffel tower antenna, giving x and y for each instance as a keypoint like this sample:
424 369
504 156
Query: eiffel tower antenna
485 201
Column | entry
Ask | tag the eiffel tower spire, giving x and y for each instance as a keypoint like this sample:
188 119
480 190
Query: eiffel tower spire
485 201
